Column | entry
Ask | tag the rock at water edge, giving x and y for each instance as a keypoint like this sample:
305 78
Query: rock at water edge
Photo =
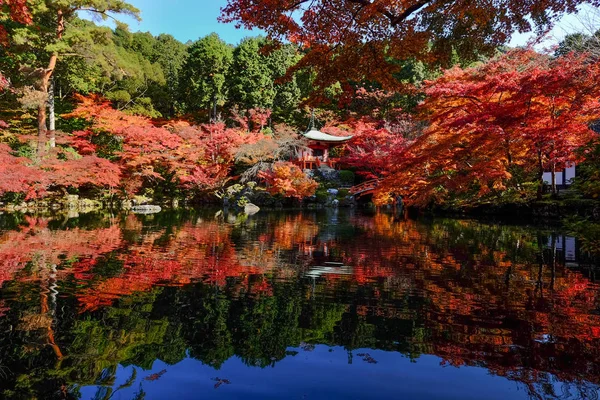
146 209
251 209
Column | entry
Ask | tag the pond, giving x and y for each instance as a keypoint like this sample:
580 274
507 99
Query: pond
307 305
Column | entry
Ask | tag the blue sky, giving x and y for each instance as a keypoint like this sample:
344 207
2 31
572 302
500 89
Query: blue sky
193 19
185 19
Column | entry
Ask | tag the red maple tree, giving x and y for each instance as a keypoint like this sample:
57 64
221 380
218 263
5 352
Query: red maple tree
375 143
193 157
522 112
360 40
16 176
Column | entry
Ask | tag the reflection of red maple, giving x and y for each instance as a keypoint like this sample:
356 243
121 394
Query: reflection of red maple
194 253
46 247
476 304
517 319
203 252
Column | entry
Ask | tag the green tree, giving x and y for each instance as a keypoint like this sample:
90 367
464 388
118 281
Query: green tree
288 90
580 43
138 78
111 64
259 78
203 78
170 54
250 77
45 38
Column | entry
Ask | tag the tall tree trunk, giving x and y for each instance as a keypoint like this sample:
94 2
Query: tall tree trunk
41 120
540 175
45 83
51 114
49 330
214 110
509 157
553 179
553 261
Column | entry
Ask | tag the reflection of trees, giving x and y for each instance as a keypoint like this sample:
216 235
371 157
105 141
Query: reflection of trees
142 289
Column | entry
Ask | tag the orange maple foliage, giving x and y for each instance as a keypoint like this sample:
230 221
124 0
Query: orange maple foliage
286 179
103 116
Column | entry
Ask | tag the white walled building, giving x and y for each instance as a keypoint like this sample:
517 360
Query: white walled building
563 178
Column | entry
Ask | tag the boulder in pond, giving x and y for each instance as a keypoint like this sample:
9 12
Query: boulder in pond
145 209
251 209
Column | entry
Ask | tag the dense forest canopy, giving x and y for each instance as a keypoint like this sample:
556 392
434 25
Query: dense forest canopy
440 110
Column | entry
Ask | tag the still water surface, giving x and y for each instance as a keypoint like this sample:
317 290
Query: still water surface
313 305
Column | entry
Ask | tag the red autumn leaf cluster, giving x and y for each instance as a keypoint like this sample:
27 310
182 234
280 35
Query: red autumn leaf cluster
17 11
15 174
374 145
253 120
196 157
87 170
55 170
143 154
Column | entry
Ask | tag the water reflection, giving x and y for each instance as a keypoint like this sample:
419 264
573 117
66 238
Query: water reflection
186 303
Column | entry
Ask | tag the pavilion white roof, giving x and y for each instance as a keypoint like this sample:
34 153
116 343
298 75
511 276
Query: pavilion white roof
314 134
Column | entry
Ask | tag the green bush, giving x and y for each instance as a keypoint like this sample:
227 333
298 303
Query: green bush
23 149
322 195
580 203
107 144
347 177
12 197
70 125
343 193
588 233
588 172
121 97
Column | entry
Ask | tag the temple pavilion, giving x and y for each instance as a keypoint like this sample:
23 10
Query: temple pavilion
316 156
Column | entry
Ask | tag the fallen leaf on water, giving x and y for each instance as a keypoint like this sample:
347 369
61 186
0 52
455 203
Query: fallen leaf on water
156 376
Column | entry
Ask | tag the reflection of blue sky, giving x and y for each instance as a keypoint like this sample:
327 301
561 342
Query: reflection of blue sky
192 19
324 373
